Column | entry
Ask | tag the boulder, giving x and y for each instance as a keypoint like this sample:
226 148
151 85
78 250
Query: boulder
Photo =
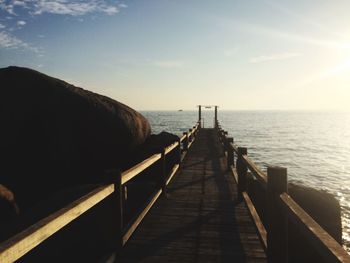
56 135
153 144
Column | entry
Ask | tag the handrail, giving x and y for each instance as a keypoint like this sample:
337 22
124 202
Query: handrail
255 217
253 213
234 147
262 178
183 138
329 248
326 245
130 229
138 168
20 244
171 147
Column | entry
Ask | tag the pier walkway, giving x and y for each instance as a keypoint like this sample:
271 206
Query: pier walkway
198 219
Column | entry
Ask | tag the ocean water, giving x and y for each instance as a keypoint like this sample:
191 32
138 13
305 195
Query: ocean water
313 146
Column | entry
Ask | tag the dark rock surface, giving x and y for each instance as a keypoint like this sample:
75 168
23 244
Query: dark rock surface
153 144
55 135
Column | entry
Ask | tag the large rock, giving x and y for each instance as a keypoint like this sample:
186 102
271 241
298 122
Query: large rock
55 135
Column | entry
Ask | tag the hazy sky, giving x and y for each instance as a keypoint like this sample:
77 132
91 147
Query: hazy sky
177 54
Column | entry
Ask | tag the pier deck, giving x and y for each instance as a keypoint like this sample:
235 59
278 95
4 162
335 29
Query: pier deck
199 218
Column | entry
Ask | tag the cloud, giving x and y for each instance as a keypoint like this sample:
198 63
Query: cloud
62 7
168 63
272 57
2 26
11 42
260 30
21 23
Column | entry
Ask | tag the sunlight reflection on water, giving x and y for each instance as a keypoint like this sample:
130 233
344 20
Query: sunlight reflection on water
314 146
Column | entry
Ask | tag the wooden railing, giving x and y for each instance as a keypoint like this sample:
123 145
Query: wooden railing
20 244
281 208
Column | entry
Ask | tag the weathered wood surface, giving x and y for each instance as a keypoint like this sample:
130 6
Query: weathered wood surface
199 218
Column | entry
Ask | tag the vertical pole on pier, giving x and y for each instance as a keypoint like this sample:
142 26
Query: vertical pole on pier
230 162
190 135
277 235
200 115
163 172
242 170
216 117
185 142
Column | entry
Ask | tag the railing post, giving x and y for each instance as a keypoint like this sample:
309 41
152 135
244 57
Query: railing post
277 234
242 170
163 172
179 151
115 177
230 161
221 132
190 137
185 142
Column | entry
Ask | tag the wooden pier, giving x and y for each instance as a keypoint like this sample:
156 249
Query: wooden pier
198 219
198 210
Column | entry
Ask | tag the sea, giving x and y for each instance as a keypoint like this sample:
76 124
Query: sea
314 146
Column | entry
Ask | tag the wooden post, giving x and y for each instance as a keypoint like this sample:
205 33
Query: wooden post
230 161
119 199
277 232
179 151
191 136
185 142
242 170
163 174
216 117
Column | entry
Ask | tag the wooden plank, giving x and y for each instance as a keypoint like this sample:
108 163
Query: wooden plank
234 147
22 243
325 244
182 138
130 230
171 147
138 168
260 176
172 173
257 221
234 172
199 219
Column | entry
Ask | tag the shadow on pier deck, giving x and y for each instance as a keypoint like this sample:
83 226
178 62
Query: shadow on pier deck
199 218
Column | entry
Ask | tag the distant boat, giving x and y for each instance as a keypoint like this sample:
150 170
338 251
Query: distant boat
180 110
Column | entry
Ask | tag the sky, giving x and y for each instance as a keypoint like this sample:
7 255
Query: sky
168 55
